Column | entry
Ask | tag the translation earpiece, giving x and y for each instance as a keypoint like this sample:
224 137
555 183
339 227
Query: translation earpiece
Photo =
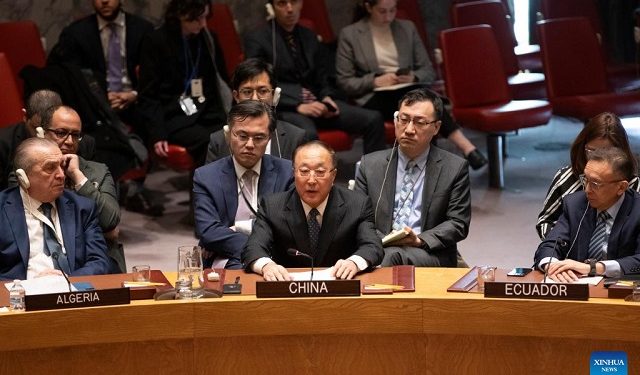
276 97
395 115
23 180
271 14
226 131
39 132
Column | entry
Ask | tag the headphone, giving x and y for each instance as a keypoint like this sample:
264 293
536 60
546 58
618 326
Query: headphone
40 132
271 14
23 180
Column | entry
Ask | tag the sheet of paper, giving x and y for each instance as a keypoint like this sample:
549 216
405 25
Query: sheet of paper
595 280
396 87
44 285
324 274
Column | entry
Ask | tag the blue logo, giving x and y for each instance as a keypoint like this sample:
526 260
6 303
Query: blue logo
608 363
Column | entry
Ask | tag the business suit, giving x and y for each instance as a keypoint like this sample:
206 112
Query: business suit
315 78
347 229
623 243
80 44
289 137
83 240
446 199
356 63
215 201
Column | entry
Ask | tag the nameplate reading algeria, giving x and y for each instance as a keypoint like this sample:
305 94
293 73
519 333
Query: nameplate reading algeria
577 292
319 288
86 298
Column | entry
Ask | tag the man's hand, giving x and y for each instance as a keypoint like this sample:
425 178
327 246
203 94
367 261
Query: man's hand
328 113
387 79
72 168
275 272
406 78
567 271
49 272
121 100
161 148
344 269
313 109
411 240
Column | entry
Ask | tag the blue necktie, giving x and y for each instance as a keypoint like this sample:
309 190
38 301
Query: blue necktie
406 197
314 230
600 238
114 60
51 245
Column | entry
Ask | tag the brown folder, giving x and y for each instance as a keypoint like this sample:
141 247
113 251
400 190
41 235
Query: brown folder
467 283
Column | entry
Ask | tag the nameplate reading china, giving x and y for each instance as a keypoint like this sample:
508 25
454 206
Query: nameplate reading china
86 298
319 288
578 292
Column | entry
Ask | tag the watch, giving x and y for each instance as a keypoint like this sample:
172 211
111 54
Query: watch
592 266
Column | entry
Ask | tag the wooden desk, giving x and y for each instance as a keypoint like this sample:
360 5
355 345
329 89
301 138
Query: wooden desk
426 332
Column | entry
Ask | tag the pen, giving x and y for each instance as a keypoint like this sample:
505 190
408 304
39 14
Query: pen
384 286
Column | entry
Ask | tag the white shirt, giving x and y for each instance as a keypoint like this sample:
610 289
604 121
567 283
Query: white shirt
244 226
385 48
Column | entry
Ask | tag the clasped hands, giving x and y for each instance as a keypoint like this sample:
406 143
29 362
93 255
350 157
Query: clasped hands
568 270
343 269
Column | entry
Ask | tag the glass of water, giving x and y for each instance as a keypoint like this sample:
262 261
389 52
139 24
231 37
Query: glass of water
190 268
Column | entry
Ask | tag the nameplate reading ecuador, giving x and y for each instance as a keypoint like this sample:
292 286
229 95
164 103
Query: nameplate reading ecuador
319 288
71 300
578 292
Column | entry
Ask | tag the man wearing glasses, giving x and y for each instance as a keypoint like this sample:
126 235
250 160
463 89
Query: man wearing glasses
598 232
226 192
418 190
329 223
253 79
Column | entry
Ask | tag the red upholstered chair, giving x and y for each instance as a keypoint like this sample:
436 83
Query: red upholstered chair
481 100
316 11
222 23
493 13
10 99
575 71
179 159
20 40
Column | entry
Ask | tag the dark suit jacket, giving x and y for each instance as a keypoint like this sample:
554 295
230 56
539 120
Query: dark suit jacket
347 229
316 77
446 198
624 240
79 44
215 201
83 240
289 137
13 135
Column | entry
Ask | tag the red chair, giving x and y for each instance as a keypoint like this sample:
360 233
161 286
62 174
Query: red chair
10 99
479 94
222 24
178 159
575 71
493 13
20 40
316 11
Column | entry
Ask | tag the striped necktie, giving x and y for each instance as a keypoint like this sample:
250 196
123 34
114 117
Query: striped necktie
600 238
406 196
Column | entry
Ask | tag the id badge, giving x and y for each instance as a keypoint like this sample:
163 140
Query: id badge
196 87
187 105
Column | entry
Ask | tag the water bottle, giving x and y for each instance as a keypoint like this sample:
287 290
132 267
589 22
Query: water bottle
16 296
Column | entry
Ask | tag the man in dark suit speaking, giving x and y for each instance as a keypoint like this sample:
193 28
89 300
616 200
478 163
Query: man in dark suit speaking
44 229
330 223
418 188
599 230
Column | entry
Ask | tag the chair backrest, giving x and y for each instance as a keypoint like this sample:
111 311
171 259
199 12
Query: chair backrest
410 10
221 22
505 3
572 57
316 11
551 9
20 40
474 72
10 98
492 13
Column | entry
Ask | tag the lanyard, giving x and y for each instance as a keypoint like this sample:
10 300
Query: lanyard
190 67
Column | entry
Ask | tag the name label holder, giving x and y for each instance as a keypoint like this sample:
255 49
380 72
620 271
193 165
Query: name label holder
576 292
316 288
72 300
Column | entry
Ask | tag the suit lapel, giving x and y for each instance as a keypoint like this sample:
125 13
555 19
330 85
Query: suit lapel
297 222
618 224
67 217
229 186
15 209
365 41
96 45
431 176
401 40
267 181
581 246
384 213
334 212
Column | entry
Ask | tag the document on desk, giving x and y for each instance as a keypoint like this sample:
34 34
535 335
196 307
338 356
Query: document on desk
325 274
595 280
44 285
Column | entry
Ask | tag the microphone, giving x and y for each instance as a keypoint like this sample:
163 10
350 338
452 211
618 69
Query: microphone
55 257
296 253
564 243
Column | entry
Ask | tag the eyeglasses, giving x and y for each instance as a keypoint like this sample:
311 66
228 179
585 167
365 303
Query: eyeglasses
318 173
594 184
418 122
257 139
62 134
262 92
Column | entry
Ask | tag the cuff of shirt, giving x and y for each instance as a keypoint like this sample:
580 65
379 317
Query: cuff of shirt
359 261
611 268
79 185
244 226
544 261
259 264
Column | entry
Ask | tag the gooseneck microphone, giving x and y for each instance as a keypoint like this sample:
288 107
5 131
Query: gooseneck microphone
55 256
564 243
296 253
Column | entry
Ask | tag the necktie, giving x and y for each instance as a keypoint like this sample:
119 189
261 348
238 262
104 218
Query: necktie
600 238
114 59
244 212
51 244
314 230
406 197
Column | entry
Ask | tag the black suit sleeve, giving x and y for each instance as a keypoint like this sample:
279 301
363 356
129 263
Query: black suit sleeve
260 241
369 244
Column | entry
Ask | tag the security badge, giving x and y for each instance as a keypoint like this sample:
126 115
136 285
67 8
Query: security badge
186 102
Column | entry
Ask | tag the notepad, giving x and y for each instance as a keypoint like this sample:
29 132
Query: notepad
395 236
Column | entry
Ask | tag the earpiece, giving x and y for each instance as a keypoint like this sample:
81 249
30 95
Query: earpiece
226 130
39 132
271 14
23 180
395 115
276 97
